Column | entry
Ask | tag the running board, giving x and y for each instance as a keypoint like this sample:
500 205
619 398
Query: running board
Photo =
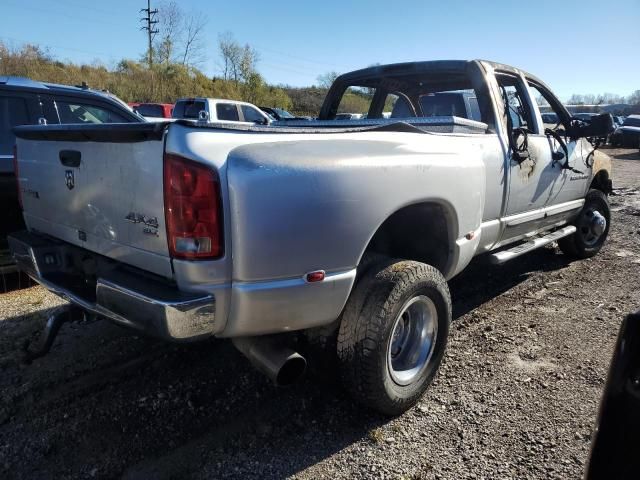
506 255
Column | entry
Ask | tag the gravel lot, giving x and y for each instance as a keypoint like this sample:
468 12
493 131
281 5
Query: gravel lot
516 397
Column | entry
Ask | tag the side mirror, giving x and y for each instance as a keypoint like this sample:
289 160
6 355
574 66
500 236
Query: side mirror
599 126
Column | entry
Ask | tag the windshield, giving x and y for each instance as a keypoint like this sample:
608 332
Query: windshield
631 122
150 110
283 113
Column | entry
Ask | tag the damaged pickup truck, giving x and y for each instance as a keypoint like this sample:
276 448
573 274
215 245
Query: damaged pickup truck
340 233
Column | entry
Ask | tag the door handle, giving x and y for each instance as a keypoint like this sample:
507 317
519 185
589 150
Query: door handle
70 158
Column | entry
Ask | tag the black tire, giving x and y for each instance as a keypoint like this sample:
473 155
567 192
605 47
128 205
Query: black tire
579 244
368 321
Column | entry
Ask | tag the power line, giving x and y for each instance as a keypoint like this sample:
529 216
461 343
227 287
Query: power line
40 10
334 65
26 42
150 20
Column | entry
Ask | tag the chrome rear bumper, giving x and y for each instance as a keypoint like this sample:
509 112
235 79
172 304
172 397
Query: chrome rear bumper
121 295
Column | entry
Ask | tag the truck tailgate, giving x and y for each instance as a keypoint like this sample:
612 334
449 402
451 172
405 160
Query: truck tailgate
99 187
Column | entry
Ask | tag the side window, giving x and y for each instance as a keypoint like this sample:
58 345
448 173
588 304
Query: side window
49 111
150 110
514 99
356 101
77 113
553 117
13 111
250 114
227 112
398 106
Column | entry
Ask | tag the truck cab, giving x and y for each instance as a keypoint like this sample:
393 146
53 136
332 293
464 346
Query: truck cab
216 110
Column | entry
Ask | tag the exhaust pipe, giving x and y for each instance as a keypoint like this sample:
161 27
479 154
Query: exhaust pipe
281 364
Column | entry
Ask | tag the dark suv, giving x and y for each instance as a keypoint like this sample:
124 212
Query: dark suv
24 101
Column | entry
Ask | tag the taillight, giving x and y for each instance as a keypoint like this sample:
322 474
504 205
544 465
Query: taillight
17 174
193 210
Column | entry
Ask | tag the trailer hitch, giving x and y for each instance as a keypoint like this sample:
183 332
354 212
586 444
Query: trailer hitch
42 345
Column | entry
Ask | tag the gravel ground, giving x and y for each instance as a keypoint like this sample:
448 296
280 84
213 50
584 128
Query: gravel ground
516 397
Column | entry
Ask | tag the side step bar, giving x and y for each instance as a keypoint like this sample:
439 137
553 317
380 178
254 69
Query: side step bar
506 255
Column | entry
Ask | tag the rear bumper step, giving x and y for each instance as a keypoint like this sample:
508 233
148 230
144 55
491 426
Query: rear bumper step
133 300
506 255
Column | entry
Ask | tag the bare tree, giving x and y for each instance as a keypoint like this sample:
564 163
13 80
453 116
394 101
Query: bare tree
193 46
634 98
171 26
541 101
326 79
231 54
576 99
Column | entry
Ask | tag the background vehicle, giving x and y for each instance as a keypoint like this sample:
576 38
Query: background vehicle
153 111
281 115
348 116
218 110
340 233
585 116
23 102
628 134
550 119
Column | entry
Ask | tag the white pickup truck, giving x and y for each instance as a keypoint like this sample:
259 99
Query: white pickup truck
215 110
341 230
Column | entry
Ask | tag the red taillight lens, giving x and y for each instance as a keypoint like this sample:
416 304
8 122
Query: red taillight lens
17 174
192 209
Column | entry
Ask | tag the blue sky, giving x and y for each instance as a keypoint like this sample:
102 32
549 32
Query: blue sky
586 46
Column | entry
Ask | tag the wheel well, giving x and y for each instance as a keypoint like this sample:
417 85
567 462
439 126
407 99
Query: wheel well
601 182
417 232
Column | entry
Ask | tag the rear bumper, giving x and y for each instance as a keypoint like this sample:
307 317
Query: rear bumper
121 295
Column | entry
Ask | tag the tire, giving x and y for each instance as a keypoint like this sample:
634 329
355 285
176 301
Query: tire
375 342
590 234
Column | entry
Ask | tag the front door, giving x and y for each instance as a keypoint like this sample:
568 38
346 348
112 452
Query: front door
532 176
569 185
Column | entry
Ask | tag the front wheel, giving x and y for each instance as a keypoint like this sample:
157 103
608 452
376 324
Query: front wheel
393 334
592 227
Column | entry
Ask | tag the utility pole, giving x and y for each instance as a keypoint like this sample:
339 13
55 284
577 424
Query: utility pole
150 20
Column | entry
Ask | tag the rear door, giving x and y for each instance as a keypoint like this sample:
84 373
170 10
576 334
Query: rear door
531 178
228 112
98 187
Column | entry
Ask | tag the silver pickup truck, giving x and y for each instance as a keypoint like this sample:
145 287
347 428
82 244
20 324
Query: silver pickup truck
340 233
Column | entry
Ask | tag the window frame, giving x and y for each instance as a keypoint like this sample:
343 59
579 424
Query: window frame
257 110
522 89
235 105
79 101
563 114
31 104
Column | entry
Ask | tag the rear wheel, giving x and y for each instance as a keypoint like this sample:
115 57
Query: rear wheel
592 227
393 334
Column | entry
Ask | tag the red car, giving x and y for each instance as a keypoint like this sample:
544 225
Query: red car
153 110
